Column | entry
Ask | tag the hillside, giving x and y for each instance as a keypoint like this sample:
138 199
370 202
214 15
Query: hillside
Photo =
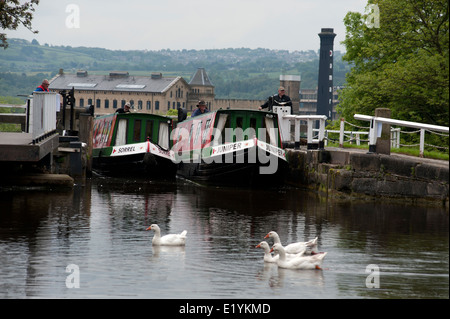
236 73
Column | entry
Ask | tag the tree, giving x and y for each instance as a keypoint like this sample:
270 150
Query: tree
13 14
402 65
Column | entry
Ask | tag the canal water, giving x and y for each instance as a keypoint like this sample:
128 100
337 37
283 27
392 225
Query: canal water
91 242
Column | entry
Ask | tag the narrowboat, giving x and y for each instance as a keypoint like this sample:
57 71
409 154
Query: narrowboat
237 147
139 143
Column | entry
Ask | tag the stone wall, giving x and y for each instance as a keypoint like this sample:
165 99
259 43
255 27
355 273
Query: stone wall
348 174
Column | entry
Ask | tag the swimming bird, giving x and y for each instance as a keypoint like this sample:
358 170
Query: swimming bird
167 240
268 258
302 262
308 247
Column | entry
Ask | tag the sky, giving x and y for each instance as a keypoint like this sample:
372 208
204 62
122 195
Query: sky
189 24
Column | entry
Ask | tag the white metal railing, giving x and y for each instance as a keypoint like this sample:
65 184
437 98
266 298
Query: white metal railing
353 136
321 135
376 125
311 120
43 108
285 118
356 135
39 121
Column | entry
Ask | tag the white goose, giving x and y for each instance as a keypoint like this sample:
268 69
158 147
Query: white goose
308 247
302 262
268 258
167 240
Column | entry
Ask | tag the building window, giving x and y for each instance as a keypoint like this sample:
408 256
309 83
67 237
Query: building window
81 102
89 101
98 103
168 105
156 105
106 104
123 103
149 105
132 104
114 104
140 105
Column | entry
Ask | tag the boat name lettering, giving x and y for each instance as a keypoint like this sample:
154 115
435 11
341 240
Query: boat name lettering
126 149
274 150
167 153
228 147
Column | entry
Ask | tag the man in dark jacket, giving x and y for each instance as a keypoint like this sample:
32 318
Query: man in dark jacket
124 109
201 109
277 99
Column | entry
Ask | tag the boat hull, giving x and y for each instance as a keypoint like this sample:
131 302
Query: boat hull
137 164
133 143
235 169
230 147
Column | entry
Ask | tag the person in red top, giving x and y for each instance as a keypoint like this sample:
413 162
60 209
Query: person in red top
43 87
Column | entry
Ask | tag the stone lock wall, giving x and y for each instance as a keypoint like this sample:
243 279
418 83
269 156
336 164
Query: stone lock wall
347 174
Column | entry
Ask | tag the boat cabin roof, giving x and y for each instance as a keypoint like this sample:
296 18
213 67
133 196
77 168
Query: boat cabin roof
199 129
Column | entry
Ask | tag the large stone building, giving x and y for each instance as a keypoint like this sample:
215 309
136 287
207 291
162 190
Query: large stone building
152 94
201 88
155 93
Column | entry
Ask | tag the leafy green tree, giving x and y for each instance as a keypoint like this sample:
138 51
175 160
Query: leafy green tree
13 14
403 64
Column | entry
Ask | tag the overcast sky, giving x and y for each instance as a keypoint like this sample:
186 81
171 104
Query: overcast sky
189 24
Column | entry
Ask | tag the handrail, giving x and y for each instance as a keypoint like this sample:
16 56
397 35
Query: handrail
39 122
376 121
285 118
43 113
384 120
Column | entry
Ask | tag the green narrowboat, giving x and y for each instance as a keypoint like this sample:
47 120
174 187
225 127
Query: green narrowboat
138 143
237 147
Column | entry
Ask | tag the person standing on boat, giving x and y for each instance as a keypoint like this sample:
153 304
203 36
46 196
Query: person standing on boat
277 99
201 109
124 109
43 87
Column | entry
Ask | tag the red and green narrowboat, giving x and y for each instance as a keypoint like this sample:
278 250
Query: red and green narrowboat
235 147
138 143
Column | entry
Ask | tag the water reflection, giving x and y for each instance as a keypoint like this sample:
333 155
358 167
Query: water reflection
101 228
33 225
